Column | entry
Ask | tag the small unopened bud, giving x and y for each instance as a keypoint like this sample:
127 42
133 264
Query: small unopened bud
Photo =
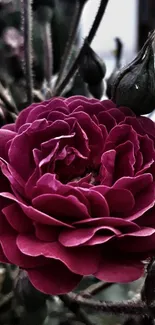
134 86
92 68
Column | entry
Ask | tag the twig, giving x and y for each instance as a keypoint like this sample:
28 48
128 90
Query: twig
48 53
75 308
95 288
38 95
27 31
6 299
10 105
129 307
70 42
90 37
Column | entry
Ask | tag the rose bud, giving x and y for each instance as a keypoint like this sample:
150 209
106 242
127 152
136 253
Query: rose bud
27 295
97 90
134 86
92 68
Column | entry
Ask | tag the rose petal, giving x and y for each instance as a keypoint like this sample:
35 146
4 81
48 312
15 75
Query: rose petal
46 232
119 200
55 279
119 271
17 219
5 136
117 223
106 119
106 173
11 251
78 237
98 204
34 214
81 260
60 207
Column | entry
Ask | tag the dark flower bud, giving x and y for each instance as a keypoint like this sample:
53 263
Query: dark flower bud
134 86
27 295
97 90
92 68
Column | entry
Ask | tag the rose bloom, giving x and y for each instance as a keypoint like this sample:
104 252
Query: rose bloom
77 192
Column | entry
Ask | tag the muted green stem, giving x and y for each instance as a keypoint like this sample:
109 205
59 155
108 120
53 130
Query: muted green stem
118 308
48 53
75 65
70 43
27 31
75 309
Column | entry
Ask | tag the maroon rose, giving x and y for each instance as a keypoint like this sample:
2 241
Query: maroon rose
77 192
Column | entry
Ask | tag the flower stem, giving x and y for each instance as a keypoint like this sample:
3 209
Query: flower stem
90 37
71 39
48 53
10 105
94 289
27 31
75 309
129 307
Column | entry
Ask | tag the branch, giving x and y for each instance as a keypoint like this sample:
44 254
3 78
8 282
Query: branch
10 105
90 37
48 53
6 299
27 31
94 289
75 308
129 307
70 42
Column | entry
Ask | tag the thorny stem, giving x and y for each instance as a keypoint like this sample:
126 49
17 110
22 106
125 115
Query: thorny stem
6 299
70 42
48 53
6 100
129 307
95 288
75 309
27 31
90 37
